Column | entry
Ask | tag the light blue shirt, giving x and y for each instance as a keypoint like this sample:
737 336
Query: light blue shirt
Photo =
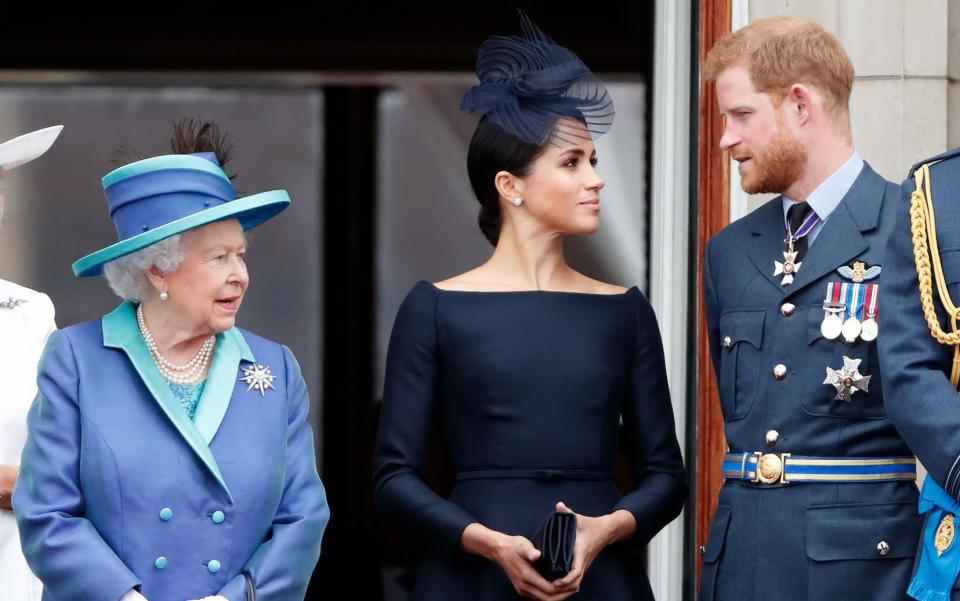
825 198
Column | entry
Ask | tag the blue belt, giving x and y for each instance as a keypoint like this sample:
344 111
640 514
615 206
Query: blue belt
784 468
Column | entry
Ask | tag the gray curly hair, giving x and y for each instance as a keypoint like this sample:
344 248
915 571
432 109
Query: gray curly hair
127 275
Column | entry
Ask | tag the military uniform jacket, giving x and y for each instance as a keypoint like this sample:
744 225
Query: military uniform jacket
815 541
921 401
119 489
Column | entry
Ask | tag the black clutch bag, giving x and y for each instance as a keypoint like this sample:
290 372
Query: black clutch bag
555 540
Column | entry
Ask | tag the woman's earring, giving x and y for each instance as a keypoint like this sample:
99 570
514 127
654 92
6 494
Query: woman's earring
517 201
164 296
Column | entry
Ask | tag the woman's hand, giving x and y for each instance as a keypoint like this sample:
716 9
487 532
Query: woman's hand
593 536
514 555
8 478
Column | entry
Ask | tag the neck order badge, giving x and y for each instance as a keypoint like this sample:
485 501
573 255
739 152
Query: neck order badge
791 265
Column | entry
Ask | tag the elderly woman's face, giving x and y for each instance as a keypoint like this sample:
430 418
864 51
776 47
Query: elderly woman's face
208 286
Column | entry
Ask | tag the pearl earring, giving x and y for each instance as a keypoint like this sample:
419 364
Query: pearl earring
164 296
517 201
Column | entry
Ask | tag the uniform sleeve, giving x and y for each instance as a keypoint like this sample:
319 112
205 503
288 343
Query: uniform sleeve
409 405
282 565
920 400
62 547
660 479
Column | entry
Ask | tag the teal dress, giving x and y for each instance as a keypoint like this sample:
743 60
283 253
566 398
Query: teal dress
188 395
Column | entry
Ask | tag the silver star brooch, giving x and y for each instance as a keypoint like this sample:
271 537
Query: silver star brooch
258 377
847 380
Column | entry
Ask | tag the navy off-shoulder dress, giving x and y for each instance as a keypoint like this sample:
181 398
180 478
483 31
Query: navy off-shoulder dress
531 388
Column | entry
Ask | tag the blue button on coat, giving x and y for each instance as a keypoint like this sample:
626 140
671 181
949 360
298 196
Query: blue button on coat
89 528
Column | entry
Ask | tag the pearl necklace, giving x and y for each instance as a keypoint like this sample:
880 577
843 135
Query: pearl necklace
191 372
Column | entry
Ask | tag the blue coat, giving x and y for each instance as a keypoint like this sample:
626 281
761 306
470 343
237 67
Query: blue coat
119 489
921 401
816 541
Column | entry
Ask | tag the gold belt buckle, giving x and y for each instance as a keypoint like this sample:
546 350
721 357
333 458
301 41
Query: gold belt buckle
771 468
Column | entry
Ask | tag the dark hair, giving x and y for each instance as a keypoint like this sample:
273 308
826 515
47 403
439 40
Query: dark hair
492 149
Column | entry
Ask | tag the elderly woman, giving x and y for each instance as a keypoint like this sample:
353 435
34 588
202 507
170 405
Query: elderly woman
26 319
169 456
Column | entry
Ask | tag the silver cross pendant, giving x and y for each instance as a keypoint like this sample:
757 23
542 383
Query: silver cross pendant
788 268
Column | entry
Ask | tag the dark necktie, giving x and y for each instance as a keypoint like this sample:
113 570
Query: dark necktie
796 215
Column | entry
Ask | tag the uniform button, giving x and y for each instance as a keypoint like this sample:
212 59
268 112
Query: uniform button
787 309
779 371
213 566
772 437
218 517
160 563
883 548
166 514
727 342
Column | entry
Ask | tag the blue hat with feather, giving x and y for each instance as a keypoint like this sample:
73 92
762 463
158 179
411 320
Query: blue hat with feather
163 196
529 82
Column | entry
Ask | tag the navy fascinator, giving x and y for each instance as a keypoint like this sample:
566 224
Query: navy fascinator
528 82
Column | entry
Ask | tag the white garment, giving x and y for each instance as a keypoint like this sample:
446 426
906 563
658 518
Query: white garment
23 333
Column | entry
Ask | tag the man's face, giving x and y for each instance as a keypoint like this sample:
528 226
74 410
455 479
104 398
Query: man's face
769 155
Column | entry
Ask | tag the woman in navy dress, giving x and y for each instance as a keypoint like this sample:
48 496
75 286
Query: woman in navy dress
531 369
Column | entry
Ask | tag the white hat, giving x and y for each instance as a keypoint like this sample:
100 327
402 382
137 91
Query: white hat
25 148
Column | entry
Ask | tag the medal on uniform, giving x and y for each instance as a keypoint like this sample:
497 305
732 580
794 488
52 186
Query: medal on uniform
852 326
833 309
847 380
943 538
832 325
871 306
851 329
790 266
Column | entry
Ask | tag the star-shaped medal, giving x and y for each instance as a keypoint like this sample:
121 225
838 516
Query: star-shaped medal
258 377
848 379
12 303
789 267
